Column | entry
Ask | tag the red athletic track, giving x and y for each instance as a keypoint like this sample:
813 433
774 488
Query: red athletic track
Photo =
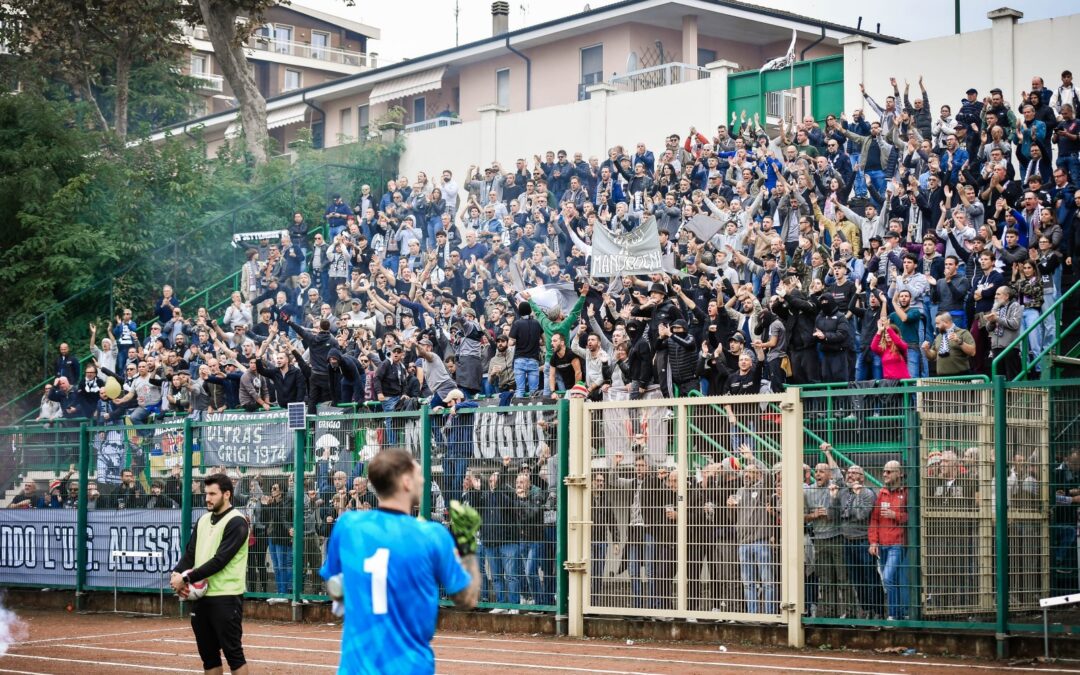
94 644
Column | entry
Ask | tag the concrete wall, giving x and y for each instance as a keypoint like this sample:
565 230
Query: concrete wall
1006 55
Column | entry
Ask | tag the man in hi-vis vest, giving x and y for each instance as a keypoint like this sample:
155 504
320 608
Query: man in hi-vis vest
218 553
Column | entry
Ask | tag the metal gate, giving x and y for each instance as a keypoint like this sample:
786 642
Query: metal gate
675 510
825 78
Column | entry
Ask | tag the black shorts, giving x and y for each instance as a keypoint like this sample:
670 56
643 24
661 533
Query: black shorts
217 624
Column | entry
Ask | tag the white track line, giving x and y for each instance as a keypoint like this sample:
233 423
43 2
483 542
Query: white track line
587 645
809 657
93 637
99 663
642 659
195 656
533 666
22 672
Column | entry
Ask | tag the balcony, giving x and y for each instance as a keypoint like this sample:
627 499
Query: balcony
334 55
433 123
658 76
208 82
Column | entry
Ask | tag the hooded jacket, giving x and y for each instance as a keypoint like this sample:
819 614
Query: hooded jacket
318 345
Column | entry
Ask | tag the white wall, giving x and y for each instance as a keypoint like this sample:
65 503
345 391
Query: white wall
951 64
589 127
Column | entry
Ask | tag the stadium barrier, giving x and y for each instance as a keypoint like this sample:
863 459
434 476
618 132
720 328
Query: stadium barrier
989 525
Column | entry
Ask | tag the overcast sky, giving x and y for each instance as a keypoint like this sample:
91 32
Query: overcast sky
412 28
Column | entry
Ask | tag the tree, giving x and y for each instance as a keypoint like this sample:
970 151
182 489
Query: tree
92 46
229 38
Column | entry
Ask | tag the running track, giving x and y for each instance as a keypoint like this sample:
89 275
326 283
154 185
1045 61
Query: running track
96 644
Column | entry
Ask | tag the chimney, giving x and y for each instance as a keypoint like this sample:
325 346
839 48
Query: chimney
500 17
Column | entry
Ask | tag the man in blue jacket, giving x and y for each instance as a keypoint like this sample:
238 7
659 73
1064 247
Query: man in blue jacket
458 429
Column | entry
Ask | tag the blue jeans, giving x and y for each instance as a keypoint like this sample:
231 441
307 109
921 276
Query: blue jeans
281 556
868 367
892 566
1040 337
756 567
506 581
863 575
525 566
641 555
546 563
596 569
877 178
914 361
454 469
388 406
526 376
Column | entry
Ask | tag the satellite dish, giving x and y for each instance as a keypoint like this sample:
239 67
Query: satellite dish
631 62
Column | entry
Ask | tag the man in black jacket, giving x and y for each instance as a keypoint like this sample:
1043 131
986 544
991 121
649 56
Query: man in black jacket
804 357
834 335
66 365
390 380
289 383
346 377
318 344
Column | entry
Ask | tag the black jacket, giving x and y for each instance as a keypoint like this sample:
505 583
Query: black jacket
291 385
348 370
318 345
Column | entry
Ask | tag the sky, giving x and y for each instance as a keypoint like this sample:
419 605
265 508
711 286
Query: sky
413 28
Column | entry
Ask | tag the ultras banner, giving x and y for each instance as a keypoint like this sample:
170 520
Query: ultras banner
37 547
621 253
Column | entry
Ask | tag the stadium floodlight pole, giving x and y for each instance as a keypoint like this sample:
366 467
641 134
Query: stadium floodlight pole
298 521
956 15
80 516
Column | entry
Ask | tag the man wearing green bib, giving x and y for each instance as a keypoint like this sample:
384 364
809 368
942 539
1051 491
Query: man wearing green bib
218 553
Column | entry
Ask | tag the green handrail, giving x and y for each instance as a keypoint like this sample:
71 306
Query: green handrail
1021 339
910 380
764 442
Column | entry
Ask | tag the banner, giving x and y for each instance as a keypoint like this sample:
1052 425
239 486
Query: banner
269 235
257 439
634 252
704 227
38 547
111 456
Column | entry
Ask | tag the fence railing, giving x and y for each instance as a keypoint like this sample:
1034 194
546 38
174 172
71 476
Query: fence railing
663 75
936 505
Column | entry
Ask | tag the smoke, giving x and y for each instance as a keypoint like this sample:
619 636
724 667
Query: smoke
12 628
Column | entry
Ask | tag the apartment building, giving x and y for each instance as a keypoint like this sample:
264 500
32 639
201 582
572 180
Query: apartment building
297 47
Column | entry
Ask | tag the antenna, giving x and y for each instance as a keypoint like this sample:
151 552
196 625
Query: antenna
457 13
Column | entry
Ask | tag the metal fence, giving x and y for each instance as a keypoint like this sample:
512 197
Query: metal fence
676 509
937 504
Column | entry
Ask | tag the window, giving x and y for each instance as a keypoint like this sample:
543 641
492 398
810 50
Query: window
292 79
317 135
282 39
345 126
320 42
502 87
419 109
705 57
592 64
363 119
199 65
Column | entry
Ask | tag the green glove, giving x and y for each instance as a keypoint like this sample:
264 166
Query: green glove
464 524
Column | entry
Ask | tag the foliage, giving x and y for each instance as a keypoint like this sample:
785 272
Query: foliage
92 46
97 231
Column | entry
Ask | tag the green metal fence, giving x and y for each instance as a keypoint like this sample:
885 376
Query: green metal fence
955 503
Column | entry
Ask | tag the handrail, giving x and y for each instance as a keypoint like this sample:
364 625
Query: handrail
764 442
1022 338
910 380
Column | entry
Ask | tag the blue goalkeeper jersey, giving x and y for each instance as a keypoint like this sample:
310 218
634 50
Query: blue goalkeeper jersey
392 566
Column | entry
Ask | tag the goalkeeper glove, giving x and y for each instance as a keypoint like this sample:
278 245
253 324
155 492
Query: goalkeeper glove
464 524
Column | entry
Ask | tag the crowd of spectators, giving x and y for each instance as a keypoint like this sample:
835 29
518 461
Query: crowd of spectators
889 242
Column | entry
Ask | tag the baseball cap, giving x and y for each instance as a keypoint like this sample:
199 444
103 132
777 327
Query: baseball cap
972 91
738 337
397 348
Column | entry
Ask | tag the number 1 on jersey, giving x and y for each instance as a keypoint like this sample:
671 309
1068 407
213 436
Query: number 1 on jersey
377 566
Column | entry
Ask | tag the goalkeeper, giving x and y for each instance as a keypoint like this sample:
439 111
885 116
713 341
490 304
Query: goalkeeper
384 567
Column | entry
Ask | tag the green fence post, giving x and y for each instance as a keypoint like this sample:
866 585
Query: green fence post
425 460
911 460
1001 515
298 519
562 576
80 518
185 483
185 492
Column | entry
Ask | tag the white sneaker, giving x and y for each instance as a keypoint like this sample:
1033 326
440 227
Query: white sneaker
512 611
498 610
